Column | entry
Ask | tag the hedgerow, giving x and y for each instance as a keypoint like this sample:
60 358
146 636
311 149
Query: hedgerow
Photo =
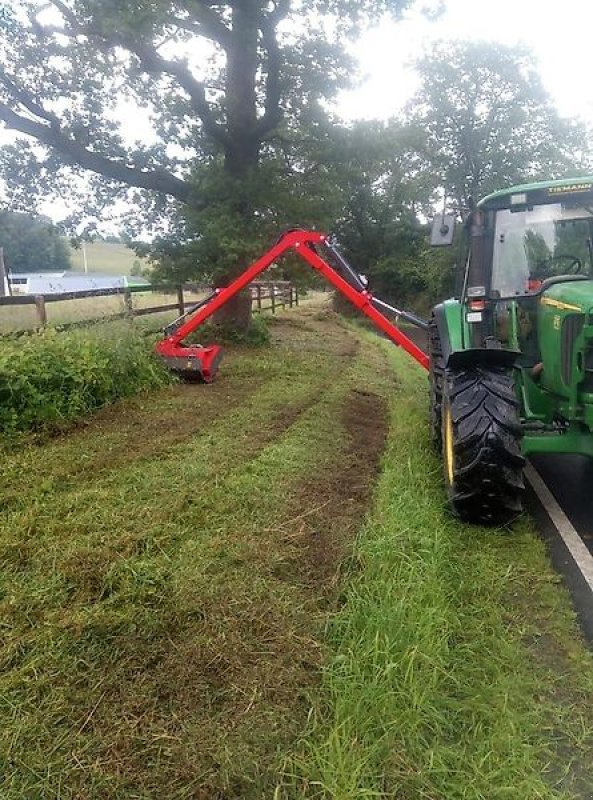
51 377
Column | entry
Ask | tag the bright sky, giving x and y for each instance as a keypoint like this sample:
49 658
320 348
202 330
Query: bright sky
559 34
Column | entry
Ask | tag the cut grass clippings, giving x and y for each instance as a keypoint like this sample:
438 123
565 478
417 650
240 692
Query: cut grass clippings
167 573
162 603
457 669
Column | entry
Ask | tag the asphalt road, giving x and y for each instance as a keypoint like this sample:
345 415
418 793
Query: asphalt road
570 481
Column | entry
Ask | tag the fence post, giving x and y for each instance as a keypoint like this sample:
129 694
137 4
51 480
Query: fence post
41 310
283 298
128 305
290 296
272 290
180 301
259 297
296 295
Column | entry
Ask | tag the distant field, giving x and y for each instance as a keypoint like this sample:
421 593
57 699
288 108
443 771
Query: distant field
115 259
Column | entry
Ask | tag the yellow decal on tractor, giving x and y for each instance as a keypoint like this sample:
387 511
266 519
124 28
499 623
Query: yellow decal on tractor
573 187
549 301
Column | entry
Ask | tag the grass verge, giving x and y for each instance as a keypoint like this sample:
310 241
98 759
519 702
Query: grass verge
167 572
457 670
49 378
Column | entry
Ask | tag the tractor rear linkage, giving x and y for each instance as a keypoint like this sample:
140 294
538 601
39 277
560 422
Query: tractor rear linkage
197 362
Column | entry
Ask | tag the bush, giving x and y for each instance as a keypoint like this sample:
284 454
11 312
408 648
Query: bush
50 377
256 335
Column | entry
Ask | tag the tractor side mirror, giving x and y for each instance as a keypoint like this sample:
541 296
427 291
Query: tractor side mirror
443 228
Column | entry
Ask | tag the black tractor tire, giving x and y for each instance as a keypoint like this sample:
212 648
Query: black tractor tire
436 373
481 433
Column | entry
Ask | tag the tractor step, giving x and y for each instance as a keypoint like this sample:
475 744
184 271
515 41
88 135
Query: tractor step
193 363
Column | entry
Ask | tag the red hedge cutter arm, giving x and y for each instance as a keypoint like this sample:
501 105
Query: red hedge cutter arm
197 362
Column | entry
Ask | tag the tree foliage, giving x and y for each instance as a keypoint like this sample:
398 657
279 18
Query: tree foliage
32 243
374 169
236 140
485 121
227 91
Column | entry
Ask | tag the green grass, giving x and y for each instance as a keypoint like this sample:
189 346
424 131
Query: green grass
457 670
166 572
109 257
49 378
184 614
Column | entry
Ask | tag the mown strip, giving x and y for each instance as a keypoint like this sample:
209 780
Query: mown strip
457 668
162 607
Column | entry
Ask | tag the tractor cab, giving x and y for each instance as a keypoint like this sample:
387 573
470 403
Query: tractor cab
538 252
537 263
528 238
540 243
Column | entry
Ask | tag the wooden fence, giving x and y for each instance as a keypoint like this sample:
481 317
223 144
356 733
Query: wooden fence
278 294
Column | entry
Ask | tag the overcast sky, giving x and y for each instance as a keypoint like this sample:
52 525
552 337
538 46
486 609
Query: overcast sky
559 34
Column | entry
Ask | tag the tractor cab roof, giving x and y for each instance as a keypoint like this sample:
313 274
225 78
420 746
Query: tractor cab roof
531 194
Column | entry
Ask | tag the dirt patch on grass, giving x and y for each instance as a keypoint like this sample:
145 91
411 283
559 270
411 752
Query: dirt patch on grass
333 503
331 532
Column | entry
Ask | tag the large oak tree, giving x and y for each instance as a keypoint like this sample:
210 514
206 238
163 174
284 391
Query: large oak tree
230 93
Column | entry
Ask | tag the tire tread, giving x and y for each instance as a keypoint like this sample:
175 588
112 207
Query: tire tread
488 478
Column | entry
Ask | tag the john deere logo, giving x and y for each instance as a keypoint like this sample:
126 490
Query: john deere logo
556 322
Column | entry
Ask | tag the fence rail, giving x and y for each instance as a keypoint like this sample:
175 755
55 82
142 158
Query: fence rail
280 294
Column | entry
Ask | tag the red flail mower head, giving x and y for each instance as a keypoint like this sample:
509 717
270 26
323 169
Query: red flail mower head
194 363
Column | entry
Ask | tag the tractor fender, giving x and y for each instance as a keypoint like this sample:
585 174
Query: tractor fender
440 319
455 355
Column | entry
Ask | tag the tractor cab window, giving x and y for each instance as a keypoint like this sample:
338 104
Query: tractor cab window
538 243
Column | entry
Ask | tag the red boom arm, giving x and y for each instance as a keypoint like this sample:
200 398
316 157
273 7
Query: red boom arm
196 361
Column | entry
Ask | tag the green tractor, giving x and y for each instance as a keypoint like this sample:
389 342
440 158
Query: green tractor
511 358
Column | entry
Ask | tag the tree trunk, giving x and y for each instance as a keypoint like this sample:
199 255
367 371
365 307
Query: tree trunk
243 149
242 152
235 316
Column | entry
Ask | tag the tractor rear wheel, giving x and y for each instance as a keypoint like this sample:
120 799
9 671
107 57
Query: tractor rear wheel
436 371
481 435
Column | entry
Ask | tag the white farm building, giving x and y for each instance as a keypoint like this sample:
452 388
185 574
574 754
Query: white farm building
66 282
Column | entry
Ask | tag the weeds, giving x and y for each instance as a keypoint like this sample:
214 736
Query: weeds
48 378
256 335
